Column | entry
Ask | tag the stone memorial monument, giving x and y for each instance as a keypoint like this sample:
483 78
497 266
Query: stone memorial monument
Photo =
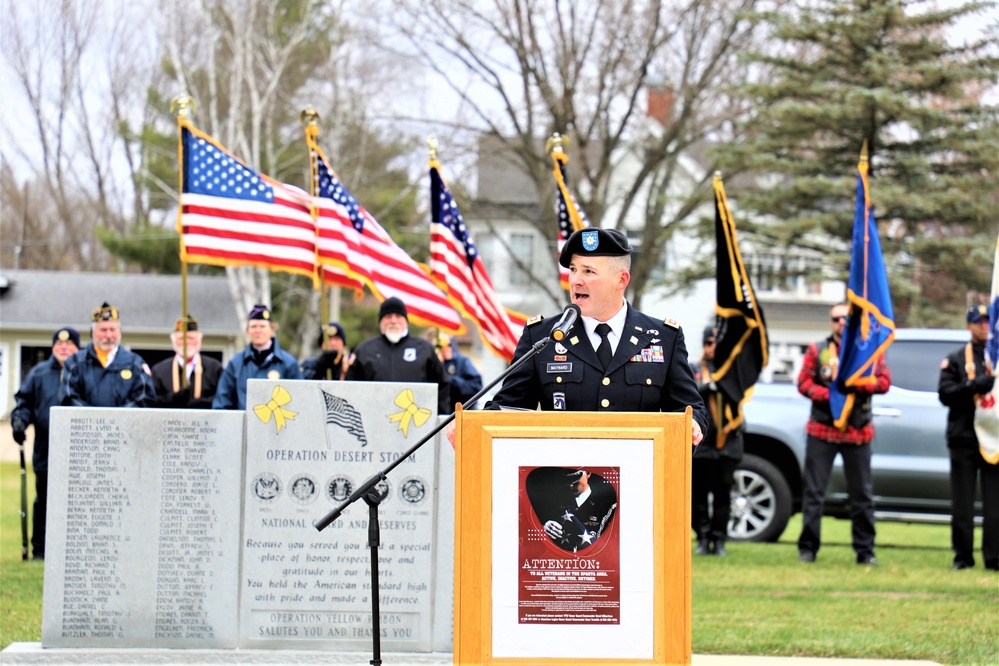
308 446
143 528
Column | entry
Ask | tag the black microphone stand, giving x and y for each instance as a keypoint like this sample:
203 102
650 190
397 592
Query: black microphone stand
369 493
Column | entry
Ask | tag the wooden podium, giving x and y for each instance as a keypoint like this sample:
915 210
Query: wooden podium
612 584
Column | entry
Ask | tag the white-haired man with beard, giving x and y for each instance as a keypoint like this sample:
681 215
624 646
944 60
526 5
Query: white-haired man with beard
105 374
187 380
397 356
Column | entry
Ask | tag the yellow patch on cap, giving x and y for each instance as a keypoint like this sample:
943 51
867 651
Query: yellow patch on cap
63 335
266 314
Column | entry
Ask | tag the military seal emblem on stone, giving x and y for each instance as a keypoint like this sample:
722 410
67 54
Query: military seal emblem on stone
266 487
303 489
413 490
339 488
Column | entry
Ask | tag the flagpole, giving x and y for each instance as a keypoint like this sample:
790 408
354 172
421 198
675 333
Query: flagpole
310 120
183 105
432 147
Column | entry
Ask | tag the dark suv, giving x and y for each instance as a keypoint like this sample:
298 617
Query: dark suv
910 461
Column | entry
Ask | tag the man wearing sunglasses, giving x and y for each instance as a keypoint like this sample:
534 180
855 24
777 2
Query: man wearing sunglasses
825 441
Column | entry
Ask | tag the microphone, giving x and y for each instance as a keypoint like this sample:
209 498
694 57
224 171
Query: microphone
562 326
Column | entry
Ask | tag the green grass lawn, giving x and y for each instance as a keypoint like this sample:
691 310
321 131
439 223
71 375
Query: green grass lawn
758 601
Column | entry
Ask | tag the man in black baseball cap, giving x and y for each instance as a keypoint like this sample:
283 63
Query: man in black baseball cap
964 382
614 358
331 364
41 390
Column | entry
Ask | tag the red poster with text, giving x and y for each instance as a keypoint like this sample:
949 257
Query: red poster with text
570 552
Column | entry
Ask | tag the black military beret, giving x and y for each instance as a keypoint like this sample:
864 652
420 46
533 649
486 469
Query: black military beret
594 242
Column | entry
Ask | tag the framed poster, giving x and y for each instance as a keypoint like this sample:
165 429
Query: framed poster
572 538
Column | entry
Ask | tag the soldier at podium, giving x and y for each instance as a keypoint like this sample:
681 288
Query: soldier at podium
614 358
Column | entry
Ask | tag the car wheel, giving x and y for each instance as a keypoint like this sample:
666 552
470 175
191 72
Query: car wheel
761 501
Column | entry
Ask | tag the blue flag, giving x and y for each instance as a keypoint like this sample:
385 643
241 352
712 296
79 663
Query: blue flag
870 328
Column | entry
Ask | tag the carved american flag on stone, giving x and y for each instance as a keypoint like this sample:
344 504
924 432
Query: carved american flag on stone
341 413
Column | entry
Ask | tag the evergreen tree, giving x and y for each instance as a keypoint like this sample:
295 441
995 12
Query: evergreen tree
841 72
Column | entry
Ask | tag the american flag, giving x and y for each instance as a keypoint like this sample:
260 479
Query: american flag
570 217
231 215
353 247
456 266
341 413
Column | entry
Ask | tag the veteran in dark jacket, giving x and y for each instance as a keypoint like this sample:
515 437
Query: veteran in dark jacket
397 356
42 389
331 364
614 358
713 466
263 358
188 380
105 374
964 379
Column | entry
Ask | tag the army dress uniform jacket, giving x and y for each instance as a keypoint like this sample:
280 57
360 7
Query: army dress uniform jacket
125 382
211 373
231 393
42 389
649 371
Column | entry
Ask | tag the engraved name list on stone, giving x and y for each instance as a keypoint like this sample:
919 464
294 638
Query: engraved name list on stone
312 590
148 553
188 543
96 505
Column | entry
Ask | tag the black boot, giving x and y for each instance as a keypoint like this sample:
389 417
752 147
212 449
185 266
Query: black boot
720 549
702 547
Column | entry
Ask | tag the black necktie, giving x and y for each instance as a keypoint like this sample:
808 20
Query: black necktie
604 350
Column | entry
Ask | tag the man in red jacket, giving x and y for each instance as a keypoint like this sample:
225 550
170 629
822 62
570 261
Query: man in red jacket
825 440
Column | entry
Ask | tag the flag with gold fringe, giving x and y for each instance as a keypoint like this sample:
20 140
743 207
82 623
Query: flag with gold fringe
232 215
570 217
870 327
457 268
741 336
987 406
353 248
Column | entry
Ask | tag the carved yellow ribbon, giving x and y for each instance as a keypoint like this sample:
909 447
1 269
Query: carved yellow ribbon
275 406
411 412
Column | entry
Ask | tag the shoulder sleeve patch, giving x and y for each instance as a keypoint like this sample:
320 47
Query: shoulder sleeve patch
534 320
671 322
944 363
